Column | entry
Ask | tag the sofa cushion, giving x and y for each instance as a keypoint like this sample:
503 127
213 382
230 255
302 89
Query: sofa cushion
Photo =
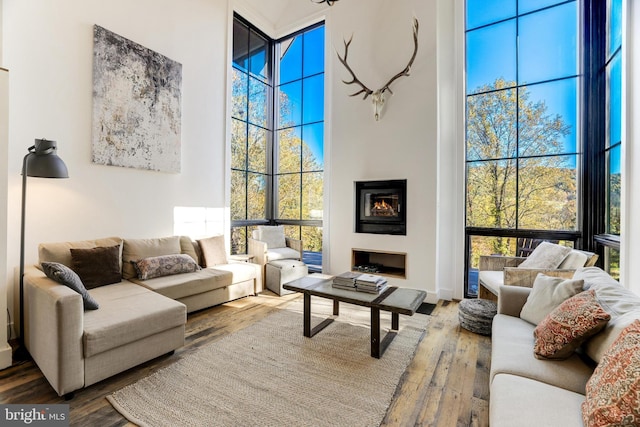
282 253
613 392
272 235
188 247
61 251
566 327
66 276
622 304
187 284
575 259
548 293
97 266
128 313
522 402
492 280
512 353
546 255
165 265
241 271
213 251
137 249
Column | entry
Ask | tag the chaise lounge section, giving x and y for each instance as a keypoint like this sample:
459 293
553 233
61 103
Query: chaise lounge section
137 320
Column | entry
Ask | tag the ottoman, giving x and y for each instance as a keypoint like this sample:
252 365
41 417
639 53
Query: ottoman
476 315
284 271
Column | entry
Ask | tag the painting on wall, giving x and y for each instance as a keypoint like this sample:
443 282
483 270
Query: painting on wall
136 105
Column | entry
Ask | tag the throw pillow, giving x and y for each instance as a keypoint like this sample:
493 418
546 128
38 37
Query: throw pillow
613 391
165 265
273 236
97 266
548 293
570 324
213 251
546 255
66 276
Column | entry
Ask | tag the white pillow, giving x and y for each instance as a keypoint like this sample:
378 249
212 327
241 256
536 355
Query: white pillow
574 260
273 236
546 255
548 293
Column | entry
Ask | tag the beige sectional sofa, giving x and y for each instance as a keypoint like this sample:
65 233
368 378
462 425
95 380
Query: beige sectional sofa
526 391
137 320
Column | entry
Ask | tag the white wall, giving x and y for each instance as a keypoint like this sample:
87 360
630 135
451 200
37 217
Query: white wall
48 47
401 145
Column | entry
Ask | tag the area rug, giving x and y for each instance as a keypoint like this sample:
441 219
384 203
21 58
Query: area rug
269 374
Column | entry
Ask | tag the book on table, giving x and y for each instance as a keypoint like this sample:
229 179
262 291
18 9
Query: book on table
362 282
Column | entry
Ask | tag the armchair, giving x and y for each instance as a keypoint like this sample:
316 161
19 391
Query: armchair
503 270
268 243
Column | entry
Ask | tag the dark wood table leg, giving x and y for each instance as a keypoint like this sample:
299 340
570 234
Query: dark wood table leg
375 332
307 315
395 321
336 307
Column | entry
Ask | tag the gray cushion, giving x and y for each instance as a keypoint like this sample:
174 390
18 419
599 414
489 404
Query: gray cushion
187 284
128 313
512 353
282 253
546 255
492 280
66 276
548 293
273 236
521 402
575 259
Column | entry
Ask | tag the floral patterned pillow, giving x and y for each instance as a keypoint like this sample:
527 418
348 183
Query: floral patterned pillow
613 391
164 265
568 325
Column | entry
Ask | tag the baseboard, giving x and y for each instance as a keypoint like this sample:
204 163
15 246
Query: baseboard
432 297
445 294
5 356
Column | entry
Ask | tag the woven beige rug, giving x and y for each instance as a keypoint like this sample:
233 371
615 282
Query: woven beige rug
269 374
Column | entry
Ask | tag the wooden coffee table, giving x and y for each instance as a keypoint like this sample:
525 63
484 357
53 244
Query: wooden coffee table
393 299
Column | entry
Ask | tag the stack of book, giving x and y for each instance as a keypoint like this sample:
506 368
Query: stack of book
345 281
371 283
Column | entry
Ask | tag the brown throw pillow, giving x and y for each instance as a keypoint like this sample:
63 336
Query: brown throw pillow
613 391
97 266
568 325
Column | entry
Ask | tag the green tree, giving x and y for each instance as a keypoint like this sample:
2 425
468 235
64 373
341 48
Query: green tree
515 174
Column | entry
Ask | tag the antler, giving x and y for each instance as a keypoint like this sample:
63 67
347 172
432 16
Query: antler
407 69
354 79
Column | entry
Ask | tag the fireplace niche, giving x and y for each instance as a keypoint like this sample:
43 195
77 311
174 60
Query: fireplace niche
381 207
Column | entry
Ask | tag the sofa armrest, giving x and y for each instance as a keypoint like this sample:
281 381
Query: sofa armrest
497 263
53 331
511 299
294 244
526 276
258 250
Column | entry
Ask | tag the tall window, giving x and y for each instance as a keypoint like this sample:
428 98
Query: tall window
300 136
278 135
612 104
522 143
251 131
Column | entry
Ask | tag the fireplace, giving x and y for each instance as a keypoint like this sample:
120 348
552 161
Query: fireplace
381 207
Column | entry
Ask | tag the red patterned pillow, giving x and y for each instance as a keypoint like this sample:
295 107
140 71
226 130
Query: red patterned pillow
613 391
568 325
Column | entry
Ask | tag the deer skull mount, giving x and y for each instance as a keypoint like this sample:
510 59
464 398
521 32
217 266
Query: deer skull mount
377 96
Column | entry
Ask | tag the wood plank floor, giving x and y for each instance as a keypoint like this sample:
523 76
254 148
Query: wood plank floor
446 384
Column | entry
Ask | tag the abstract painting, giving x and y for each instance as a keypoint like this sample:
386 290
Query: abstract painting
136 105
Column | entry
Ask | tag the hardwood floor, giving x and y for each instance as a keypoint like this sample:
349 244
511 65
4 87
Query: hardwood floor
446 384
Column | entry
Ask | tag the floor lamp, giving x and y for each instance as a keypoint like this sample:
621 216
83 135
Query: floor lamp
42 162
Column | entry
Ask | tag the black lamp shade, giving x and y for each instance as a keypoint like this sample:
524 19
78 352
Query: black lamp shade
43 162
